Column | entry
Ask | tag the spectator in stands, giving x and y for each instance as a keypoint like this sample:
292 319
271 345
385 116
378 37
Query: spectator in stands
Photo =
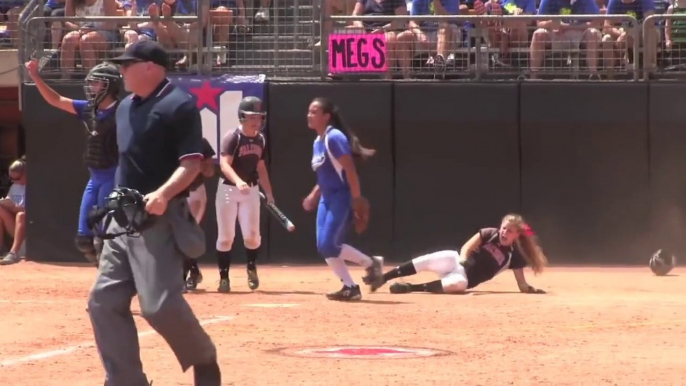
566 34
429 36
397 47
12 212
10 11
618 36
55 8
333 8
140 31
515 33
91 39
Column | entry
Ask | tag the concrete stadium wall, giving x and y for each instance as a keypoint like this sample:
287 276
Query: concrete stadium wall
598 169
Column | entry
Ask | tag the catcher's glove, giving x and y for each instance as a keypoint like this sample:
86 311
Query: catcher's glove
361 209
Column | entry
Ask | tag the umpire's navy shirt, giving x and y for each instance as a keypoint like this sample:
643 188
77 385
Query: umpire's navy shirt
154 134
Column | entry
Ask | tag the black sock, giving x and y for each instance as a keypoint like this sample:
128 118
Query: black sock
195 270
406 269
224 262
432 286
207 375
186 268
252 257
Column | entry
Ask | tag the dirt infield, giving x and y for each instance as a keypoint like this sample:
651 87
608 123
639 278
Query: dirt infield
597 326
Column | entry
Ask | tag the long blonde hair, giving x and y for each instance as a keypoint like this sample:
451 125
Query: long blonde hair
526 243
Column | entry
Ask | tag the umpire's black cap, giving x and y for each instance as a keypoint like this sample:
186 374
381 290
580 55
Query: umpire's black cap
144 51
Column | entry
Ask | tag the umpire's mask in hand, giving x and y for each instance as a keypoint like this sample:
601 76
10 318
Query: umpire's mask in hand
128 210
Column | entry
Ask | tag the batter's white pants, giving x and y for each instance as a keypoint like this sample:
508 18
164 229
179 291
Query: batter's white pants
446 264
232 204
197 202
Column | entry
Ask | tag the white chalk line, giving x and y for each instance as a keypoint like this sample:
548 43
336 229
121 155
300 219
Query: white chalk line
67 350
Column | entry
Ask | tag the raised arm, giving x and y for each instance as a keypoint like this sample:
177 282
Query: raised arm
51 96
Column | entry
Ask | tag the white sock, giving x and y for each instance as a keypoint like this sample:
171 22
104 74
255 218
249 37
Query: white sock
352 255
341 270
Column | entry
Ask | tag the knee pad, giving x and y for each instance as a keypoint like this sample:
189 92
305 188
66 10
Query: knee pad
253 243
85 244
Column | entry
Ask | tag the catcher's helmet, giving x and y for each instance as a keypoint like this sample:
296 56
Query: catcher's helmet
662 262
250 106
109 75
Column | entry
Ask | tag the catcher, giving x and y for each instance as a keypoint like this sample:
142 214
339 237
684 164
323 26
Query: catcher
338 198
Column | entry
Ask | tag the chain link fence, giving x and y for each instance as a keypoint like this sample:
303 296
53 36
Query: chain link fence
305 38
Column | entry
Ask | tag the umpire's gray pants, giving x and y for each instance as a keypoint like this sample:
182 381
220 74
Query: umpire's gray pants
152 266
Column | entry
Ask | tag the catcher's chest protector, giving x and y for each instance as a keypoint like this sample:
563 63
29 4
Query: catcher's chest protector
102 151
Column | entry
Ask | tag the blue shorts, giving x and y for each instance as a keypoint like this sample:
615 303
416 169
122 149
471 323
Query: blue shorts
334 220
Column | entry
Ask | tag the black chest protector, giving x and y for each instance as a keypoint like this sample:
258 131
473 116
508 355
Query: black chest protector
102 151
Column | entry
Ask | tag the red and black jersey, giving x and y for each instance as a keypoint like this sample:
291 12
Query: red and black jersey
207 153
491 258
246 151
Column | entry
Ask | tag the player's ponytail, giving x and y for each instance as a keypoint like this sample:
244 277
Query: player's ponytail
336 121
527 244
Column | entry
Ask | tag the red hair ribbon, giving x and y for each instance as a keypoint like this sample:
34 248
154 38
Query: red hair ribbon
527 230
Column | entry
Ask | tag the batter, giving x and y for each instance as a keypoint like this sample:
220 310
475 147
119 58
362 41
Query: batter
488 253
238 196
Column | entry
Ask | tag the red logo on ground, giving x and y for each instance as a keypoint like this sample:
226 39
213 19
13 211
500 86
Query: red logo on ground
363 352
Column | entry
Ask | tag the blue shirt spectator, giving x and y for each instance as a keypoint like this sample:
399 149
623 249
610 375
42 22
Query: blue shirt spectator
423 7
569 7
635 8
527 6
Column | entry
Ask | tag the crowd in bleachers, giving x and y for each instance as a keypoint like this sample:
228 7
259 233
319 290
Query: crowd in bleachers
601 42
431 46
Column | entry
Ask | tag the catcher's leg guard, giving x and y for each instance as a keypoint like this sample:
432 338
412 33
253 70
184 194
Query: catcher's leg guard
86 245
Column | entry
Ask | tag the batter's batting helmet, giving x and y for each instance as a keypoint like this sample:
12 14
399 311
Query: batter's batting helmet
662 262
109 75
251 106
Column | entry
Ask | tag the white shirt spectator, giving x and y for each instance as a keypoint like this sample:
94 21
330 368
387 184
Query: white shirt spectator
17 194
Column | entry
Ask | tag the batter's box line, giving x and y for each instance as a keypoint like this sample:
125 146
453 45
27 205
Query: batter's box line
90 344
630 324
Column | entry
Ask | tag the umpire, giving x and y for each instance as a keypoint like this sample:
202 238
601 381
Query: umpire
160 152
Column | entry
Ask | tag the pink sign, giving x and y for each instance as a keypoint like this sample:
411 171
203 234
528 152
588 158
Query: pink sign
357 53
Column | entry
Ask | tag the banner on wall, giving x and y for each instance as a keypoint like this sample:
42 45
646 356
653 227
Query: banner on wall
217 99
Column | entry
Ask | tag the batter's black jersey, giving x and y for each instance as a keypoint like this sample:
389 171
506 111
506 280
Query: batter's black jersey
207 153
491 258
246 152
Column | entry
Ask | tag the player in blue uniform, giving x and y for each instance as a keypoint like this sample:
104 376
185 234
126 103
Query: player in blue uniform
337 192
102 86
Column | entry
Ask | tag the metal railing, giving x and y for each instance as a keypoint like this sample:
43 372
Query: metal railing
670 58
474 47
474 50
275 42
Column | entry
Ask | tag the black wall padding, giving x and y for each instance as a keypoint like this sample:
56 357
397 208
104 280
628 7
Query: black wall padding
668 166
585 176
366 108
55 142
457 163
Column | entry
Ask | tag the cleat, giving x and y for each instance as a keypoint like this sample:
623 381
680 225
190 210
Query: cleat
401 288
374 276
253 279
224 286
346 294
193 281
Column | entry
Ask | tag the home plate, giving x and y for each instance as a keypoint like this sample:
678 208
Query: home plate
272 305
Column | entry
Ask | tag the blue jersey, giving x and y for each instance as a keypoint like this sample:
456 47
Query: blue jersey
80 107
326 151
